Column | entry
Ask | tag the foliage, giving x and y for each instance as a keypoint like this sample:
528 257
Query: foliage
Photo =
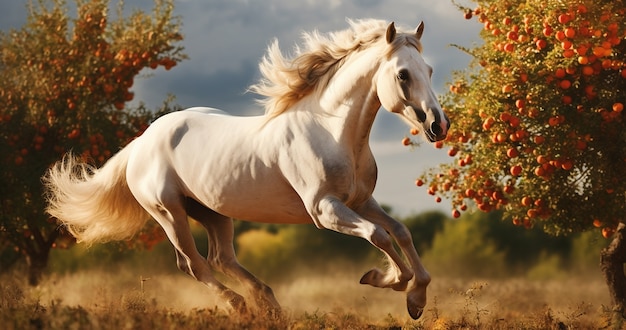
478 244
270 250
584 252
538 128
423 228
522 247
65 87
110 256
269 254
464 249
481 244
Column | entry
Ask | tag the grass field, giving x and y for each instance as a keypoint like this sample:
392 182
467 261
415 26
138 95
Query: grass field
125 299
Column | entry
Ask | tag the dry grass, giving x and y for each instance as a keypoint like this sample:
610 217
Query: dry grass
98 300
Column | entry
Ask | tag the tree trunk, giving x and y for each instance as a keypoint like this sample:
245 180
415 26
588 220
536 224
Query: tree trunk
36 265
612 262
37 253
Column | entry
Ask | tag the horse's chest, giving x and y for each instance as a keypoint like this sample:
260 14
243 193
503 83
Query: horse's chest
352 181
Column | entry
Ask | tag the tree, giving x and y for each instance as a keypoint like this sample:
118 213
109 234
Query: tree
538 128
65 86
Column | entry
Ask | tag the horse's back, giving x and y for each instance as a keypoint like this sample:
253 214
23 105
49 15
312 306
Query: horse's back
208 111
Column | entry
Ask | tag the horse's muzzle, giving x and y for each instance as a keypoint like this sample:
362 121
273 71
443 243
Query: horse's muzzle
438 129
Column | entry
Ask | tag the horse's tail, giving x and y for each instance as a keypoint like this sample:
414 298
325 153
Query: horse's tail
95 205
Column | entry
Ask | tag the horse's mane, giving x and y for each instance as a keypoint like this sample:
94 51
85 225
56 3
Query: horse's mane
287 80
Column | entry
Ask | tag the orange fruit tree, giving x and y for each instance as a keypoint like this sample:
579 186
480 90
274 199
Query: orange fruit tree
537 121
65 87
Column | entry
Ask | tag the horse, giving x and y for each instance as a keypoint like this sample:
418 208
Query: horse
305 160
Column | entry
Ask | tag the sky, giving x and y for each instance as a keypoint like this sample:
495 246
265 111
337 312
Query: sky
226 39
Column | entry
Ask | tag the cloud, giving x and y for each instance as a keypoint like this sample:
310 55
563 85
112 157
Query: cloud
224 88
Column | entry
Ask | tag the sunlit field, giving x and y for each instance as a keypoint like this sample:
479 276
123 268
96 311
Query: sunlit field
131 299
315 276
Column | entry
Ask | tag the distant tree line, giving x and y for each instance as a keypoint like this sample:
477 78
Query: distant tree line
477 245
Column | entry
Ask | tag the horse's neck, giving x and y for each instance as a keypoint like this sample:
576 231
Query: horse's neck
350 101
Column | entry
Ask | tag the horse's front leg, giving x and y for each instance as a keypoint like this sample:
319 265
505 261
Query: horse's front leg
333 214
416 296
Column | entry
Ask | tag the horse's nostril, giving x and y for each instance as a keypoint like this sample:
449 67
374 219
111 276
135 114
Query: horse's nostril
435 128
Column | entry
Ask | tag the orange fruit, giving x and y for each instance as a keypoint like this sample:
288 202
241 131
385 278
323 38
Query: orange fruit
607 232
516 170
564 18
587 70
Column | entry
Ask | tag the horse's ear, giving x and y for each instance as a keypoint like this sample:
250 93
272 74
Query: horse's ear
419 30
391 32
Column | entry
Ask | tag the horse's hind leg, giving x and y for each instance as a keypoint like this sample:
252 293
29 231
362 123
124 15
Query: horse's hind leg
172 216
221 254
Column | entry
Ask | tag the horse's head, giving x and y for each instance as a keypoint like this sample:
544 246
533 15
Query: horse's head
404 86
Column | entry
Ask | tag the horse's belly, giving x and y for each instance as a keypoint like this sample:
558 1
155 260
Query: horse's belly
258 201
275 211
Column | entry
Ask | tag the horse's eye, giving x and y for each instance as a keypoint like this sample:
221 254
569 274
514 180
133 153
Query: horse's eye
403 75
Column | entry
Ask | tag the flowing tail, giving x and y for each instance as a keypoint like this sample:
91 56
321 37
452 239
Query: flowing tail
94 204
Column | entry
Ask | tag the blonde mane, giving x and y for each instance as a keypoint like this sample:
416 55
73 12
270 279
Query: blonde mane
285 81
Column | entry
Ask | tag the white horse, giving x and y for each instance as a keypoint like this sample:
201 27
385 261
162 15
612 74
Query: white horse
307 160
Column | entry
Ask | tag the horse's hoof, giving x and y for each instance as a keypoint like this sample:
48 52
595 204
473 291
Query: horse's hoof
372 277
415 311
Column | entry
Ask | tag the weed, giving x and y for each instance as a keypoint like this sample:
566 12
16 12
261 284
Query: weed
611 318
135 301
434 310
11 295
472 310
